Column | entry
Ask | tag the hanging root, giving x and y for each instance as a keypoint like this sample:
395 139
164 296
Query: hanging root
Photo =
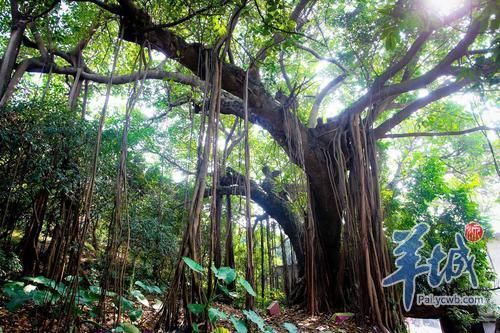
364 259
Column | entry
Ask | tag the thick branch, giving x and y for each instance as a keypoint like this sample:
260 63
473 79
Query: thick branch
321 96
135 22
106 6
432 134
38 66
417 105
276 206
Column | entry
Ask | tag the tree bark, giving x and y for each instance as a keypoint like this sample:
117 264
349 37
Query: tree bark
10 55
29 243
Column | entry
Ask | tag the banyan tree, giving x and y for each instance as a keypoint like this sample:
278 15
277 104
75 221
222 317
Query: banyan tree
240 57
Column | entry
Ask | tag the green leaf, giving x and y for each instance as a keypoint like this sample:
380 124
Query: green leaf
222 330
158 304
152 289
291 328
135 315
193 265
227 292
29 288
43 296
126 304
195 328
239 325
244 283
16 302
128 328
196 308
140 297
255 318
13 288
227 274
215 314
42 280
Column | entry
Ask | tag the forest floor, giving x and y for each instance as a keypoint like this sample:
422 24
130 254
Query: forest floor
31 319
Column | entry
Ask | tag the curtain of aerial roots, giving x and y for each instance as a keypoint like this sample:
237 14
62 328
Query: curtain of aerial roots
364 254
181 292
80 230
119 226
249 301
314 275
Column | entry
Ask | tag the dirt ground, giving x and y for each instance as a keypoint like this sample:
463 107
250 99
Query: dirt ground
29 319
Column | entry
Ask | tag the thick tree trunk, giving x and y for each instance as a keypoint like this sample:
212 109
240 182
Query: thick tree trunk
10 55
29 243
347 255
275 206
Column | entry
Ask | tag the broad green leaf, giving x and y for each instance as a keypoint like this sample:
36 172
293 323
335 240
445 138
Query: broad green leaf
42 297
222 330
29 288
239 325
95 290
227 274
196 308
42 280
255 318
291 328
157 305
135 315
227 292
129 328
16 302
193 265
140 297
148 288
12 288
215 314
126 304
244 283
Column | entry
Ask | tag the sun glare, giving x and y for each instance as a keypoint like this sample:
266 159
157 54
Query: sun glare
443 7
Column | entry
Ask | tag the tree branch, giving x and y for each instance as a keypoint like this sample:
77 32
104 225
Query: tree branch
320 57
187 17
280 36
38 66
432 134
321 96
437 94
106 6
377 94
45 11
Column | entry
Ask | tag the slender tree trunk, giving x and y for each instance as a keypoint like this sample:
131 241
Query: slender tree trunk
286 281
269 254
262 258
217 240
229 249
75 90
